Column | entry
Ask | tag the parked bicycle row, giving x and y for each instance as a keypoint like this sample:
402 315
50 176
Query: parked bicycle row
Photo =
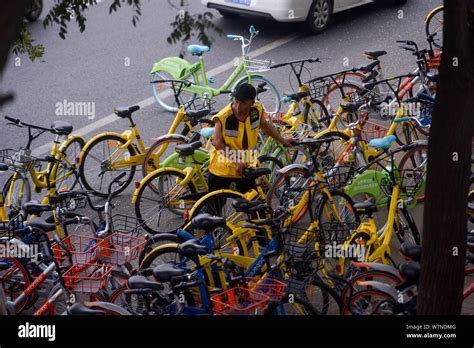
247 211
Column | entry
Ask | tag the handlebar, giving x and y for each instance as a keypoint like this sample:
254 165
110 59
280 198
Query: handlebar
308 60
19 123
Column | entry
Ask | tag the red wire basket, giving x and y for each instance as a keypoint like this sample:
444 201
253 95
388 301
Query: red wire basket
83 249
240 301
271 287
119 248
372 130
87 279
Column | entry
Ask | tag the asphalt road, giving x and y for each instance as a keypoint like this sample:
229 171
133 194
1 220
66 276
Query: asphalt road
90 66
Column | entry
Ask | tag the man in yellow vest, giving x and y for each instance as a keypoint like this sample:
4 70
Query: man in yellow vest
235 139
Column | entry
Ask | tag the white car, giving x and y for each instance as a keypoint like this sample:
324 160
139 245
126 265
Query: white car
315 14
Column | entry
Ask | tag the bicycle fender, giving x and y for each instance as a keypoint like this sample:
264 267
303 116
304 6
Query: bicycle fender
378 267
244 79
386 289
432 12
69 140
192 212
98 136
173 65
286 169
172 245
171 136
147 178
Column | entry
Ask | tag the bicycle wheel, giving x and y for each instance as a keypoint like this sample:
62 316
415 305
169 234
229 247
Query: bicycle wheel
282 195
321 296
15 280
336 208
274 165
406 229
435 24
316 115
167 253
159 151
337 93
157 240
371 275
67 175
162 203
370 302
164 94
16 192
99 165
270 99
415 161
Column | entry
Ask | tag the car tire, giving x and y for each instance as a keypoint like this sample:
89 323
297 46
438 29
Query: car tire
319 16
400 2
228 15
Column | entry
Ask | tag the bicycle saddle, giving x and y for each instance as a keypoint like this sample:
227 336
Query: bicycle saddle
383 143
141 282
3 167
40 224
244 206
168 273
375 54
255 173
81 309
410 271
61 128
126 112
351 107
207 222
192 248
367 207
207 133
411 252
197 115
297 96
198 50
35 208
188 149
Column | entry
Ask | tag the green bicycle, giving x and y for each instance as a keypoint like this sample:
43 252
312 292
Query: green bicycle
180 69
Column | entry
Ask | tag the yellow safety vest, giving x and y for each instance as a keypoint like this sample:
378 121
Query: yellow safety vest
222 163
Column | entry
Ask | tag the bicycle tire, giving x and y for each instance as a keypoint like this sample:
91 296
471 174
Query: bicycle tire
256 80
26 279
15 203
144 217
167 76
363 295
83 171
410 156
156 240
429 19
149 164
324 116
301 307
69 165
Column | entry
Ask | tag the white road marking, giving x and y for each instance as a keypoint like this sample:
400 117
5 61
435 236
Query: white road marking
150 101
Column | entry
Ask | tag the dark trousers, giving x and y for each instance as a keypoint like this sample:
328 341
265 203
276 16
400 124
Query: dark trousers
222 183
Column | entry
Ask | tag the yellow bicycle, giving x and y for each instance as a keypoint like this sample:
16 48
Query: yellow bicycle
110 153
60 173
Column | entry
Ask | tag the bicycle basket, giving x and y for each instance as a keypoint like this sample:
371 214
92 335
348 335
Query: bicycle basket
19 160
88 278
119 249
83 250
128 225
8 229
412 181
271 287
257 65
372 130
239 301
73 203
318 89
334 233
299 251
338 177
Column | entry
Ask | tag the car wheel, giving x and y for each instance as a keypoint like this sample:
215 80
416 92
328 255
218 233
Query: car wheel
228 15
319 16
